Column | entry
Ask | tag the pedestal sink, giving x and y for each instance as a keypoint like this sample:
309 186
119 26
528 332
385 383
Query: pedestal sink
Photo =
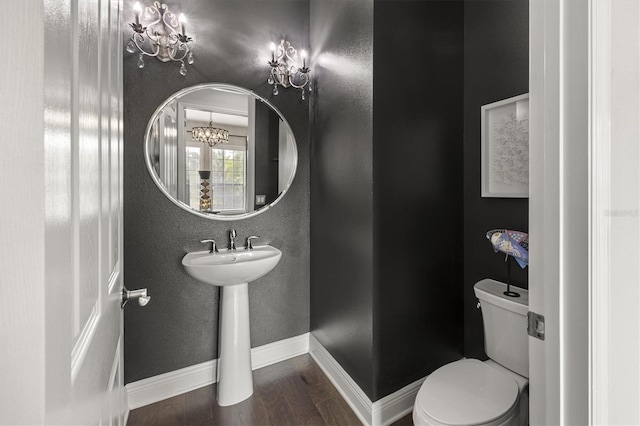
233 270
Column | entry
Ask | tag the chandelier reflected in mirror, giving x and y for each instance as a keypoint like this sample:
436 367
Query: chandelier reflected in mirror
287 68
162 35
210 135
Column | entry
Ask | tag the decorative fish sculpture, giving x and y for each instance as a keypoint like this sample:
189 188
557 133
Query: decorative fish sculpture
512 243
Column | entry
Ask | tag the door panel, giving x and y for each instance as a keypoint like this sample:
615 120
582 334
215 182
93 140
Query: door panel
86 151
61 180
87 205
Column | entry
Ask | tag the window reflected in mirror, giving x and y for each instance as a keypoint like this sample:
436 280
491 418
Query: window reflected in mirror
227 162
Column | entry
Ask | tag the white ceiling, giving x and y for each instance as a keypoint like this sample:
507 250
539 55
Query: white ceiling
217 118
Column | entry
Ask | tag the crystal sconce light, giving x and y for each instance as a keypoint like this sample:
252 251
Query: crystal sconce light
287 69
162 36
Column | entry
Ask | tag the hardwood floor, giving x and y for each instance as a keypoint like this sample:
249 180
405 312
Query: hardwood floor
291 392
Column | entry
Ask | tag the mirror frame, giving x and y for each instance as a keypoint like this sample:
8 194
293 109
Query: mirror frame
184 206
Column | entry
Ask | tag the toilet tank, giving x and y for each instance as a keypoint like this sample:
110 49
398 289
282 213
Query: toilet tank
505 325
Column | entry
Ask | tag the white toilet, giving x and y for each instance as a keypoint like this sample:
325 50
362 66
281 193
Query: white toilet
494 392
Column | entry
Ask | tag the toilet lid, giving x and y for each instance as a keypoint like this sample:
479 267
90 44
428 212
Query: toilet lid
467 392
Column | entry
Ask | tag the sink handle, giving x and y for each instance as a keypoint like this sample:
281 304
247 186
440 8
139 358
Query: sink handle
214 248
249 243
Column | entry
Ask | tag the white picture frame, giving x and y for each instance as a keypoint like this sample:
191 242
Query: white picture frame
505 148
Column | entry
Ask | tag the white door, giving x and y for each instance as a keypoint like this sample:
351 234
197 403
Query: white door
584 231
615 289
62 215
84 254
559 210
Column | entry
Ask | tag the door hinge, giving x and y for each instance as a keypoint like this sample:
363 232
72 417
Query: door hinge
535 325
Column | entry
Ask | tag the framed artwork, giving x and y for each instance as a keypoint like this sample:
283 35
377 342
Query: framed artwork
505 148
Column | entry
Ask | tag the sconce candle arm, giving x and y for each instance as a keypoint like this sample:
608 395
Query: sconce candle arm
139 41
161 38
286 70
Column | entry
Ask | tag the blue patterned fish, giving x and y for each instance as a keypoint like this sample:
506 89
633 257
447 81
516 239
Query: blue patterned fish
512 243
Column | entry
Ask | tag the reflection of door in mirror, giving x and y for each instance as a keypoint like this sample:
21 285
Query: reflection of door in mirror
166 135
227 162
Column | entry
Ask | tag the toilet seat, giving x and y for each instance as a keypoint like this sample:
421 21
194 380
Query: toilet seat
467 392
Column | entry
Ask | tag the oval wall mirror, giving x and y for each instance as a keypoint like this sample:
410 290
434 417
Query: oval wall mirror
220 151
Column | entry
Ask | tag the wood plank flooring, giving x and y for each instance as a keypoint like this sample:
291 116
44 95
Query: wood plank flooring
291 392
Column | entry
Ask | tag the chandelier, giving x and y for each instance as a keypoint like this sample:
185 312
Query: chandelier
164 36
287 70
210 135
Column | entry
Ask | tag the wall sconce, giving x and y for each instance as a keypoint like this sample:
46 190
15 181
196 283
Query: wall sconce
285 68
164 36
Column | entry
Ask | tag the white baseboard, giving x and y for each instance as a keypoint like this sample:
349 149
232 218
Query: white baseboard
271 353
350 391
382 412
167 385
397 405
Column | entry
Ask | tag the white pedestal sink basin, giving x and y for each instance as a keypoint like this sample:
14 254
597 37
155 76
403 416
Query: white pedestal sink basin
233 270
231 267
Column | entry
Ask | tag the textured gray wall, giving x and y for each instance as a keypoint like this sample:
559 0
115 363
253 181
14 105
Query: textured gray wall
179 327
342 185
496 66
386 286
418 112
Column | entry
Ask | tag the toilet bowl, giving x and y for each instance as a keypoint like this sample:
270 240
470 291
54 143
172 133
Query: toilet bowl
493 392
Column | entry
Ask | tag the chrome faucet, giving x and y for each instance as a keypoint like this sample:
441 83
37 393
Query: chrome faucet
214 249
232 239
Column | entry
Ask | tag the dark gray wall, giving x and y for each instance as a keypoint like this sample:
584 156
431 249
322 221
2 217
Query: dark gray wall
179 327
386 286
496 66
417 155
342 185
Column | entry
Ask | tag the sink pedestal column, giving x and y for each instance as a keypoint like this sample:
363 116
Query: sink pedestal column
235 381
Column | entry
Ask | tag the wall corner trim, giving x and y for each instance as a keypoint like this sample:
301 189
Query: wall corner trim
382 412
167 385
